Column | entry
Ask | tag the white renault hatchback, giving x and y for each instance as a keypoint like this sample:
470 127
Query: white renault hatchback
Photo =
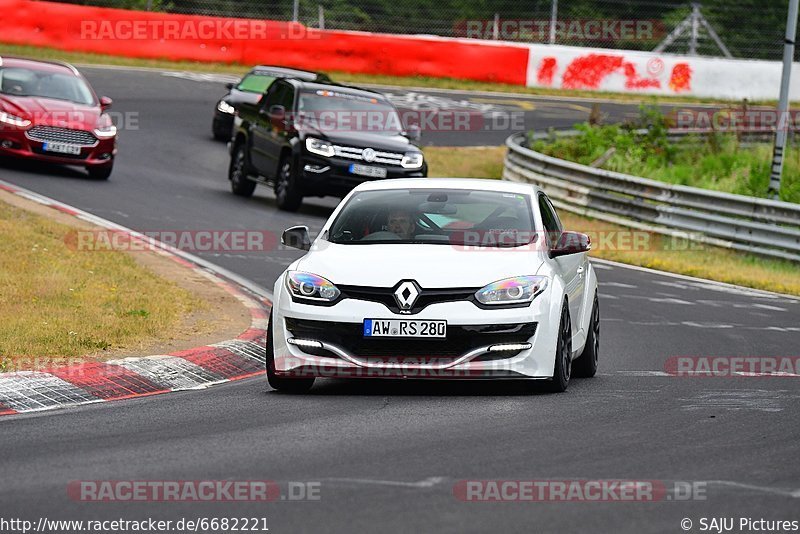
436 278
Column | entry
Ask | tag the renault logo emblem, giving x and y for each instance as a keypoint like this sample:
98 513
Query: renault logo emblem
406 295
368 154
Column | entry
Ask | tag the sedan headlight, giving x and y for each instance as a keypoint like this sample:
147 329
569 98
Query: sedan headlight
226 108
311 287
517 290
320 147
105 132
412 160
13 120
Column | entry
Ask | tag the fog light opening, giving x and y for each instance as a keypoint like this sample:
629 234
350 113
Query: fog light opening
311 343
316 169
503 347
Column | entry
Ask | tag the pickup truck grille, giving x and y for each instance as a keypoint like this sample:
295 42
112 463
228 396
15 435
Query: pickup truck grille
61 135
374 156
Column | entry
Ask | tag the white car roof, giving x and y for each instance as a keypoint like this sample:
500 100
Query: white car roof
482 184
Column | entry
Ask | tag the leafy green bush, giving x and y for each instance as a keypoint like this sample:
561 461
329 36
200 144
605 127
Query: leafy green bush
712 161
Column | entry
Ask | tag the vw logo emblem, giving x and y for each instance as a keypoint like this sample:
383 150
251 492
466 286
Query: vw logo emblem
368 154
406 295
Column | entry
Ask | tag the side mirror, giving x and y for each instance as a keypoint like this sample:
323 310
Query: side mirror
105 103
413 132
296 237
230 85
571 243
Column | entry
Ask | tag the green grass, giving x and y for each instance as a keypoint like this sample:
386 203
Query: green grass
57 302
344 77
702 261
716 161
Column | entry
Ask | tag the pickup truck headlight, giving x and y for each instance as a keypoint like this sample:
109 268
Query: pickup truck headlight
412 160
226 108
307 286
319 147
13 120
517 290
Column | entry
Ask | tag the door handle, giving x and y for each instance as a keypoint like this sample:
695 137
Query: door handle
580 270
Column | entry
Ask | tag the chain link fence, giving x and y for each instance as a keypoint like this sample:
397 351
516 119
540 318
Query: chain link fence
724 28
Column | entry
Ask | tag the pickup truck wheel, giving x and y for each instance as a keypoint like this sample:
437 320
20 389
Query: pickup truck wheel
237 174
287 196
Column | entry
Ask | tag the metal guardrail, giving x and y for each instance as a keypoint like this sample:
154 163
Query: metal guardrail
756 225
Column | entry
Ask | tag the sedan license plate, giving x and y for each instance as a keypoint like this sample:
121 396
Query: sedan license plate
405 328
62 148
366 170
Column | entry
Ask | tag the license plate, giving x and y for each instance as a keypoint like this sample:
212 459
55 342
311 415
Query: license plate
405 328
62 148
366 170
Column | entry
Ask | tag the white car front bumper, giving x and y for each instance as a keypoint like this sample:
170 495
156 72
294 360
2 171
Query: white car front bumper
339 360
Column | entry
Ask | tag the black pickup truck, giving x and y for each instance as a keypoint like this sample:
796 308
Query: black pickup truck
318 139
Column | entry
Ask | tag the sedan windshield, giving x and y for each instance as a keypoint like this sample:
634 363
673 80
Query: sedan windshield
433 216
17 81
337 111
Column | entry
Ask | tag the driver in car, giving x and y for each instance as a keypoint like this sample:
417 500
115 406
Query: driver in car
401 223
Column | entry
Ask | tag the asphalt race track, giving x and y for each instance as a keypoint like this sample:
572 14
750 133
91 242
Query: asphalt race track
387 455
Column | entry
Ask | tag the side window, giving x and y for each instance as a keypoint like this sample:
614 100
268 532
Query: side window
552 225
555 215
286 98
273 95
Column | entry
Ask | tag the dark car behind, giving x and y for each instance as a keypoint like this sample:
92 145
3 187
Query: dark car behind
249 90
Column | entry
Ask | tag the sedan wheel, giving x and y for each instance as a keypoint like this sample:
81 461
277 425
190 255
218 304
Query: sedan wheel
586 365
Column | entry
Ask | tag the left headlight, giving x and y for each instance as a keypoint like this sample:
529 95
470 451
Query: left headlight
412 160
106 132
226 108
13 120
517 290
307 286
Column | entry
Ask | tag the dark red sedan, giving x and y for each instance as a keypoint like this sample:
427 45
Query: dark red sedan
49 112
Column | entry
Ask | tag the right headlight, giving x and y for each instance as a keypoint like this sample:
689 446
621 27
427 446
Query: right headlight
517 290
13 120
226 108
320 147
307 286
412 160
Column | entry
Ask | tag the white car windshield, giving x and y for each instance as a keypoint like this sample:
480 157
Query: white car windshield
434 216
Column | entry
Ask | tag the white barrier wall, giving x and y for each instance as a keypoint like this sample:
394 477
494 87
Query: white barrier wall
594 69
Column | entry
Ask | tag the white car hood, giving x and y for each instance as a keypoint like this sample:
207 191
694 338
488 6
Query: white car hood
432 266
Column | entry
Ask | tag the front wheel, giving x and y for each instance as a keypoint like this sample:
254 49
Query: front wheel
563 364
287 195
237 174
586 364
100 173
282 383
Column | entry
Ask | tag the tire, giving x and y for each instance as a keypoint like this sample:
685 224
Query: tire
287 196
100 173
282 383
237 173
218 136
586 365
563 365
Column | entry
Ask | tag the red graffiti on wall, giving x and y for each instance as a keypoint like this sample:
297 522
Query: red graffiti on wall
681 78
546 71
589 72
